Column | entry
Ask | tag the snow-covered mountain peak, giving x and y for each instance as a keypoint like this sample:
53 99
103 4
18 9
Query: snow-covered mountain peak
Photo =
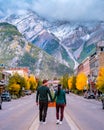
68 40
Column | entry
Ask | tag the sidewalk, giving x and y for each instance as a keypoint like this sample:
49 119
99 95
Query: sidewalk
67 124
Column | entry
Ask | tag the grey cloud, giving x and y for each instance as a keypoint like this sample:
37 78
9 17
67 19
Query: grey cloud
71 9
58 9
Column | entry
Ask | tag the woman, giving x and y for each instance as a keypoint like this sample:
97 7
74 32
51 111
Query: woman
60 97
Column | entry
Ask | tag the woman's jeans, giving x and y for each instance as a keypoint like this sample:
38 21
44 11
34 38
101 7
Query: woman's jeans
60 111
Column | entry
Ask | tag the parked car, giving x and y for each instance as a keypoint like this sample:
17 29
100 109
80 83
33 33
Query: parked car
27 92
89 95
6 96
102 99
67 91
0 103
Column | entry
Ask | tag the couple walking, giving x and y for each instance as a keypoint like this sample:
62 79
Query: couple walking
42 95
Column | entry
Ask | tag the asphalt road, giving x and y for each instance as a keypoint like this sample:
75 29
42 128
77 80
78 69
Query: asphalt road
80 114
86 113
18 114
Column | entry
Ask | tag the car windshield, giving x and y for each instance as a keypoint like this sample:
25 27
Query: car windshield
4 94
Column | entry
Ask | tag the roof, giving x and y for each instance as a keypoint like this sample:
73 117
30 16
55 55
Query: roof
100 44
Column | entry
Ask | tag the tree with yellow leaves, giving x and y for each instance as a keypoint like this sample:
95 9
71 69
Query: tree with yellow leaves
70 82
14 82
64 81
33 82
100 80
81 81
15 88
27 86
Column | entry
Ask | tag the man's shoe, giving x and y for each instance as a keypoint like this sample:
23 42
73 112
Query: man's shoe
57 122
44 122
40 122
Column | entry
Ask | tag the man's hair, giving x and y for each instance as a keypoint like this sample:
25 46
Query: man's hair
59 85
45 81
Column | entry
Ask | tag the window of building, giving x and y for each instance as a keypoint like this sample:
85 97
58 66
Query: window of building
102 48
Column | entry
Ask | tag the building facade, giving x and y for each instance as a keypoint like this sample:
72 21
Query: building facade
97 60
91 65
84 67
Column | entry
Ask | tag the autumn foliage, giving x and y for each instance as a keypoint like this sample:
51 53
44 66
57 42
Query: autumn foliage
100 80
33 82
70 80
64 81
81 81
19 83
15 88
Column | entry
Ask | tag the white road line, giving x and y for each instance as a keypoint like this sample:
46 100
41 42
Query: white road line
70 122
35 124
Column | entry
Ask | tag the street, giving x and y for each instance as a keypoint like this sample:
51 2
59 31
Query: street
86 113
80 114
18 114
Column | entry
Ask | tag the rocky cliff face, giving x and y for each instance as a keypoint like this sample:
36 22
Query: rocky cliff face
16 51
69 42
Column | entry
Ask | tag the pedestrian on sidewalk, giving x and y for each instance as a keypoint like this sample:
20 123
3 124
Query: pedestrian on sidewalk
42 95
60 97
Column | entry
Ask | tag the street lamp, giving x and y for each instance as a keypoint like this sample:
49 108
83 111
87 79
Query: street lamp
89 82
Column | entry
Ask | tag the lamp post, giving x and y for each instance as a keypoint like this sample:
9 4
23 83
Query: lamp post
23 91
89 82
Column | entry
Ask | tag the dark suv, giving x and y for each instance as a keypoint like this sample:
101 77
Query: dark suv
89 95
102 99
0 103
6 96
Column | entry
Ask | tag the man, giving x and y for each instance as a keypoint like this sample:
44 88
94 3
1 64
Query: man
42 95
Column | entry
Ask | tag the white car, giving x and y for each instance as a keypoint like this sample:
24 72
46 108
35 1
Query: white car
27 92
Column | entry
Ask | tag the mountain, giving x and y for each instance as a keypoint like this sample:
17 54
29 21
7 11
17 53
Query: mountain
69 42
15 51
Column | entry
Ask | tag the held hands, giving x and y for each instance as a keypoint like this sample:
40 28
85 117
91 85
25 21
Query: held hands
52 100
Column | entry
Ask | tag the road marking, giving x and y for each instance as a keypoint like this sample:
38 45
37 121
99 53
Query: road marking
35 124
70 122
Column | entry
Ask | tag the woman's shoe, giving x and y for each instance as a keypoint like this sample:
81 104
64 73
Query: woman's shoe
60 122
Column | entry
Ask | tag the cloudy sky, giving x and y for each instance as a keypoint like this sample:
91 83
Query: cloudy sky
81 10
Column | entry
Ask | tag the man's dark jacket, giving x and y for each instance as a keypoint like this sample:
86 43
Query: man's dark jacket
42 94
